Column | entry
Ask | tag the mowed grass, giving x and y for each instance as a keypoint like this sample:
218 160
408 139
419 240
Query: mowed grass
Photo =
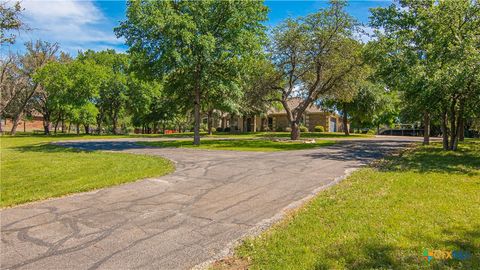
242 145
382 217
32 169
250 135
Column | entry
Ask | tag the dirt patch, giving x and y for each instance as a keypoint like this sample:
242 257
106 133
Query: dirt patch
231 263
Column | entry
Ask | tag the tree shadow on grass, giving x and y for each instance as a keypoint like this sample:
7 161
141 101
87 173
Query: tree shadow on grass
371 256
79 146
433 159
375 254
360 150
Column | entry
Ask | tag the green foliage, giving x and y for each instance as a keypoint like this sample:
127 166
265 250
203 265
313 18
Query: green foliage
10 20
198 48
303 129
429 51
113 91
319 129
314 56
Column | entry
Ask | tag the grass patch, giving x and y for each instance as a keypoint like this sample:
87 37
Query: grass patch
252 135
32 169
383 218
242 145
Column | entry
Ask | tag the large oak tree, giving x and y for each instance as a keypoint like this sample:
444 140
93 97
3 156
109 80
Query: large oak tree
312 56
195 46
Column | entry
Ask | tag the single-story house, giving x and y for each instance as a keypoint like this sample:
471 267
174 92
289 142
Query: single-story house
276 120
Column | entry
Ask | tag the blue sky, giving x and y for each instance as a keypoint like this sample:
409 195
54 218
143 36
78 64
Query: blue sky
81 25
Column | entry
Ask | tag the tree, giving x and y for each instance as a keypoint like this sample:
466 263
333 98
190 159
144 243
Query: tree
9 20
66 87
429 50
37 55
312 56
112 95
53 99
194 46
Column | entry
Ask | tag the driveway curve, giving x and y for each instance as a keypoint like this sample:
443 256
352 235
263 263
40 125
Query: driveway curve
180 220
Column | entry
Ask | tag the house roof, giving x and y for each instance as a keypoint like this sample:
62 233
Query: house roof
293 103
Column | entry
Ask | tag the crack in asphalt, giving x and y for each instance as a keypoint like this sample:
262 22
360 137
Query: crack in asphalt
184 219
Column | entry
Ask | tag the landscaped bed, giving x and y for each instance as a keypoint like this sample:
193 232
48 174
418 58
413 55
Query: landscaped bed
391 216
32 169
260 145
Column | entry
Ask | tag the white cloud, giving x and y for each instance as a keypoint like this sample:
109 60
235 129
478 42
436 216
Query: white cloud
73 24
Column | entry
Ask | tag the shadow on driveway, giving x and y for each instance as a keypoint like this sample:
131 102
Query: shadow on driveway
364 151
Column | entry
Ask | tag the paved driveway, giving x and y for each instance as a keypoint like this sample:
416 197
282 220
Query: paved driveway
176 221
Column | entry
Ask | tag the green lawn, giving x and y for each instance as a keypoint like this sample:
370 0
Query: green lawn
382 217
32 169
250 135
242 145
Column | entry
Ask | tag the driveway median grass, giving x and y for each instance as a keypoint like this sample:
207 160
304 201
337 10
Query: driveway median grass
32 169
391 216
259 145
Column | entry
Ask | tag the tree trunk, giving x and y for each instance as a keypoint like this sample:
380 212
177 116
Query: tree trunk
78 129
56 126
254 119
295 133
114 125
378 129
444 130
13 131
461 135
210 122
196 115
87 129
99 126
345 123
426 129
459 125
1 126
453 127
46 123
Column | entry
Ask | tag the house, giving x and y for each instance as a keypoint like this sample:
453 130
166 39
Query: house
276 120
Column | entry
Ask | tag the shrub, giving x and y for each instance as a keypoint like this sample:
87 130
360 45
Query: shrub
303 129
202 130
319 129
219 129
279 129
288 129
214 129
227 129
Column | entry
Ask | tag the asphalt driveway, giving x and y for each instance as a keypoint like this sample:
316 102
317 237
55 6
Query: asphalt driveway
180 220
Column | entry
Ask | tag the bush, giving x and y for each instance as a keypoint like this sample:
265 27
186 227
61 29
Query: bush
303 129
202 130
279 129
319 129
227 129
214 129
219 129
288 129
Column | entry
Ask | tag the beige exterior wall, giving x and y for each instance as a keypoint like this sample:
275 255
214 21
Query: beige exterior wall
280 120
318 119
